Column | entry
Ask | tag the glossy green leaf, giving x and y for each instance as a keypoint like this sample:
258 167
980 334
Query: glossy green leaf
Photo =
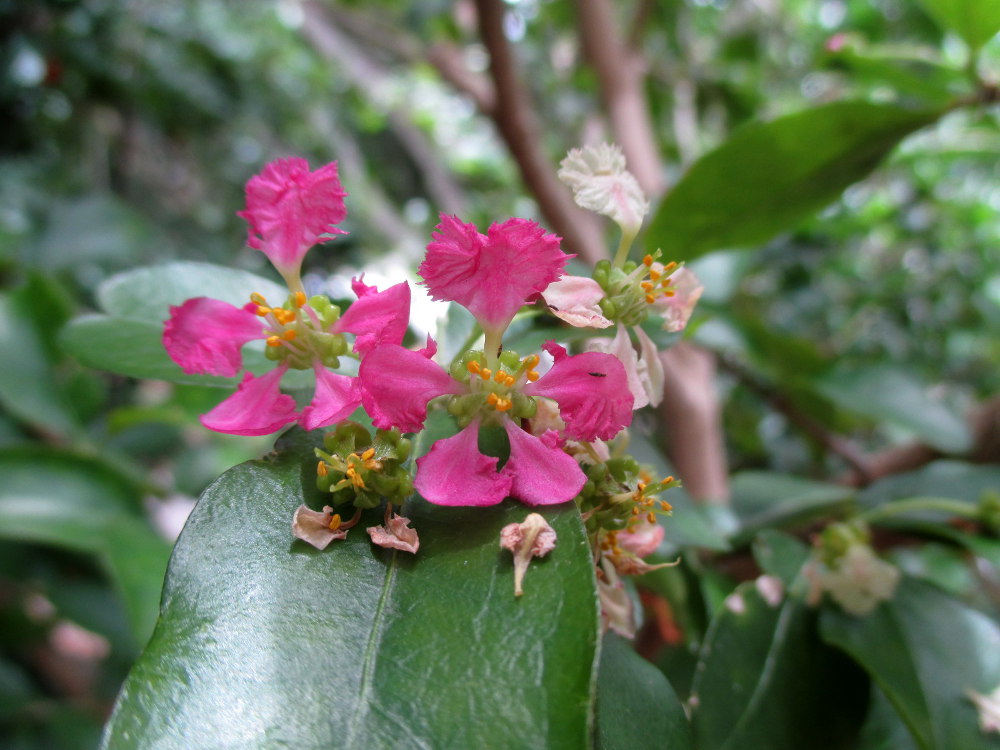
764 680
636 706
895 395
147 293
956 479
976 21
769 176
264 641
766 499
925 648
69 501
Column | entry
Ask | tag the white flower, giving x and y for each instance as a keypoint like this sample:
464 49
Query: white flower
600 183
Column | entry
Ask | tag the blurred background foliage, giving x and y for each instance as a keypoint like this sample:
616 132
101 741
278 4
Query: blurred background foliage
129 128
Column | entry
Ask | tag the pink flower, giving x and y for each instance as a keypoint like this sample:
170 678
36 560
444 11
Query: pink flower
492 276
576 299
676 308
289 209
205 336
593 399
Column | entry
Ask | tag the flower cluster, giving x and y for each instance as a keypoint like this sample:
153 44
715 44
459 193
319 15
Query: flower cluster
535 426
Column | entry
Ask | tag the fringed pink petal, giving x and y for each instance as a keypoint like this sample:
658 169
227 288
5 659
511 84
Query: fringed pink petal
644 370
542 473
376 317
204 336
257 407
289 209
396 385
576 299
455 473
491 276
336 398
592 392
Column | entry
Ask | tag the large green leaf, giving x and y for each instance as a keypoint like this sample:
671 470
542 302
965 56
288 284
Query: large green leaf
976 21
955 479
127 338
58 498
636 706
765 680
765 499
266 642
895 395
925 648
769 176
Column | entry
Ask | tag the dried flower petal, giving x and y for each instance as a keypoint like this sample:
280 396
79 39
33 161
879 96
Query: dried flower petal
314 527
531 538
396 534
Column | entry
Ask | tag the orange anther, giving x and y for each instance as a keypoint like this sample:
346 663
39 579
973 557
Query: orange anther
258 298
646 286
533 376
531 361
654 275
368 454
500 377
473 367
665 506
262 310
635 510
650 299
289 335
669 292
334 522
321 469
300 299
651 517
647 260
274 341
504 404
510 381
670 266
486 373
492 399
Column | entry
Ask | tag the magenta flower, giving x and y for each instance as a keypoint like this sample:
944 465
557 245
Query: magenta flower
590 389
204 336
289 209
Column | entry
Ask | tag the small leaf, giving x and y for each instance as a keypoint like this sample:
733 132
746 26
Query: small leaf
636 706
780 555
749 685
895 395
769 176
944 478
766 499
264 641
976 21
925 649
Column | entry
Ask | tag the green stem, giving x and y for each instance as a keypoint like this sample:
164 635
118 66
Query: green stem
469 341
942 504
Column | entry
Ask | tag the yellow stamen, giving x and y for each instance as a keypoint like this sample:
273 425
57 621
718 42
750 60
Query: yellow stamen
300 299
500 377
274 341
665 506
530 362
654 275
510 381
504 404
635 510
368 454
258 298
486 373
473 367
321 469
334 522
283 316
647 260
650 299
670 266
647 286
492 399
641 486
262 310
669 293
289 335
651 517
533 376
